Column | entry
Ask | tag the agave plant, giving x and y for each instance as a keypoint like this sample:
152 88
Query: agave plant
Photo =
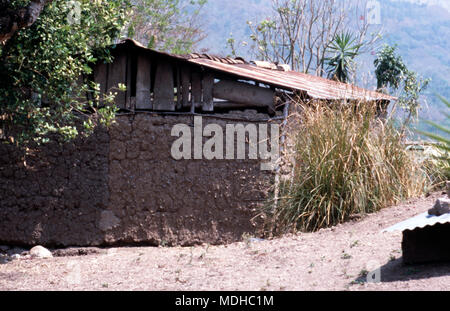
344 50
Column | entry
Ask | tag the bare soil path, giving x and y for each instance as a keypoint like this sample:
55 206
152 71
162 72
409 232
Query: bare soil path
332 259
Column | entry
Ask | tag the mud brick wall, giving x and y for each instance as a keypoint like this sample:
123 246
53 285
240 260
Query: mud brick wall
54 194
122 187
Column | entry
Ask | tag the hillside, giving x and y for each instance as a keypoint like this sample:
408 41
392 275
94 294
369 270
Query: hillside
421 31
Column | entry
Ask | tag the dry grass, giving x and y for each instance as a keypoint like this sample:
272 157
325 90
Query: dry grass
347 162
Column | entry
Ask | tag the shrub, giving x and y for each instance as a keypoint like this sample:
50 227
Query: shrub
436 163
347 162
439 160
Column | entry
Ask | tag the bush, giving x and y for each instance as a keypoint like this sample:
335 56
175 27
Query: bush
436 163
347 162
439 159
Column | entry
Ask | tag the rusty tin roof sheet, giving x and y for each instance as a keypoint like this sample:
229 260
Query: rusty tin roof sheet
419 221
315 87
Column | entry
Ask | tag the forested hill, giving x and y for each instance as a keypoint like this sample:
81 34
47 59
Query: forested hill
421 31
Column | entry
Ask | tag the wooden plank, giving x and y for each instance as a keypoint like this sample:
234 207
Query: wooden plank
143 82
179 91
117 73
100 77
208 99
244 93
131 105
196 90
164 84
186 86
232 105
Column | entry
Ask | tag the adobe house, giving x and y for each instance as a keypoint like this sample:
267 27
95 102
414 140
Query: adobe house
121 186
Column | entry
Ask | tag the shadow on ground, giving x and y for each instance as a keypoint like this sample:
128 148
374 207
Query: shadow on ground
396 270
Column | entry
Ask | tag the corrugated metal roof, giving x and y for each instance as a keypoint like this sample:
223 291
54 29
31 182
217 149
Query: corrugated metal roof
315 87
419 221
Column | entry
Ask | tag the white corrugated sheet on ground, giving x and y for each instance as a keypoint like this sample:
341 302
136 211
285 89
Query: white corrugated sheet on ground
419 221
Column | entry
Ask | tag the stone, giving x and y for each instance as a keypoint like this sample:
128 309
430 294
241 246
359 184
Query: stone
15 257
15 250
442 206
40 252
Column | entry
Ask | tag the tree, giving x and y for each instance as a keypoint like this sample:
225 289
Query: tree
409 100
45 68
341 65
167 25
389 68
300 32
391 72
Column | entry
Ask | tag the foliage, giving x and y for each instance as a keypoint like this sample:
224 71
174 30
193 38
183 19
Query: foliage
409 100
40 69
167 25
347 162
16 4
392 72
436 164
344 49
389 68
231 44
441 160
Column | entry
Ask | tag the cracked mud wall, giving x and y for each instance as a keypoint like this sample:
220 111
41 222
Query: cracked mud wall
123 187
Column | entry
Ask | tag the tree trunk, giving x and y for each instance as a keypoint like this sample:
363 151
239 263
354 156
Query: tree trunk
12 20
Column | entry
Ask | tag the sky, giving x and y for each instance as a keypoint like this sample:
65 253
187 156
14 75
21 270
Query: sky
443 3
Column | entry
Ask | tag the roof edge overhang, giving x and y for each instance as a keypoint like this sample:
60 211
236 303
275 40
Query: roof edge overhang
316 87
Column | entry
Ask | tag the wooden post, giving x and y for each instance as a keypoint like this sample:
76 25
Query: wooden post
101 77
164 85
208 98
186 85
130 102
143 82
179 87
118 74
196 90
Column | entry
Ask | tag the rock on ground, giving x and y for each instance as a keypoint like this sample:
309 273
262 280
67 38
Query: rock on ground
442 206
40 252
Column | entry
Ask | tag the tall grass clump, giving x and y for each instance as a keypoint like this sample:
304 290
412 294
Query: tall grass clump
347 162
439 161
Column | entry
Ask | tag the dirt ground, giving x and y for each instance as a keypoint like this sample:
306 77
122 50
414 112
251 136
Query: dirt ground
337 258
